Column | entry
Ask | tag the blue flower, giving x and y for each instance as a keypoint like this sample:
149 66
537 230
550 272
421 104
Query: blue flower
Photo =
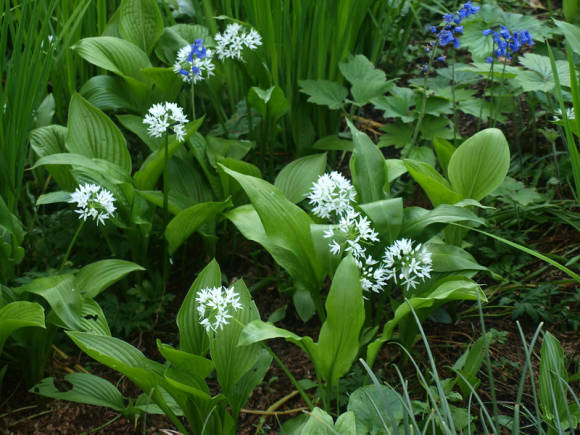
507 44
445 37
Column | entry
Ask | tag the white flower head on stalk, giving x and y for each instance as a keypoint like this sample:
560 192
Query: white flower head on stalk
331 195
372 277
214 305
407 265
194 62
232 41
164 116
570 114
93 202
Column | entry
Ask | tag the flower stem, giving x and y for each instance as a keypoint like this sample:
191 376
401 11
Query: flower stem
165 211
70 246
290 376
192 101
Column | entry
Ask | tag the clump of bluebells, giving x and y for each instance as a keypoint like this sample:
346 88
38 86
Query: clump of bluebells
506 44
451 29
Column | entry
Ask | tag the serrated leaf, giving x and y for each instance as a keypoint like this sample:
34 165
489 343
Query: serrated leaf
367 81
324 93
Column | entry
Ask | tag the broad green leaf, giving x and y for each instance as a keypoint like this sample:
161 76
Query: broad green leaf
258 330
400 104
229 148
324 92
62 297
114 54
338 343
175 204
92 134
186 222
434 184
375 408
51 140
444 150
189 382
108 93
286 225
270 103
53 198
129 361
192 336
152 168
231 186
367 167
185 360
446 289
367 81
572 34
104 168
92 318
346 424
387 217
436 126
295 179
233 363
395 168
480 164
449 258
319 423
140 22
416 219
540 77
85 388
248 222
135 124
92 279
19 314
397 134
333 143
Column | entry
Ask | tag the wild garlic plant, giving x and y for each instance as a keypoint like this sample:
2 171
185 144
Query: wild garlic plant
334 198
92 202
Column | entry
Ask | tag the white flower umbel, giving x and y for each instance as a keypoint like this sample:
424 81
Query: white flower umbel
164 116
214 305
407 265
332 196
194 62
570 114
372 277
93 202
232 41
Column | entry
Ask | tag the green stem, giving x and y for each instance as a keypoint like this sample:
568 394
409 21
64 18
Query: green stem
485 85
165 211
192 101
109 244
70 246
453 100
290 376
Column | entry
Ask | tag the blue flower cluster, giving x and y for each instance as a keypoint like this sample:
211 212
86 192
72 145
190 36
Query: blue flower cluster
452 25
196 51
507 43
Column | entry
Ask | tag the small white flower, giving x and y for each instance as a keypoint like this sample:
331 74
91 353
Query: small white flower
373 278
570 114
232 41
214 305
194 62
331 195
334 247
163 116
93 202
406 265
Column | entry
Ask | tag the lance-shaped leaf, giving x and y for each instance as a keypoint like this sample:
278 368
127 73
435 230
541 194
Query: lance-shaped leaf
20 314
141 23
296 178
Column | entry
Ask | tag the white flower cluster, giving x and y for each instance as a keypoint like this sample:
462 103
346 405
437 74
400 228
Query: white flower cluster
407 265
332 196
163 116
214 304
194 62
93 202
231 43
570 114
